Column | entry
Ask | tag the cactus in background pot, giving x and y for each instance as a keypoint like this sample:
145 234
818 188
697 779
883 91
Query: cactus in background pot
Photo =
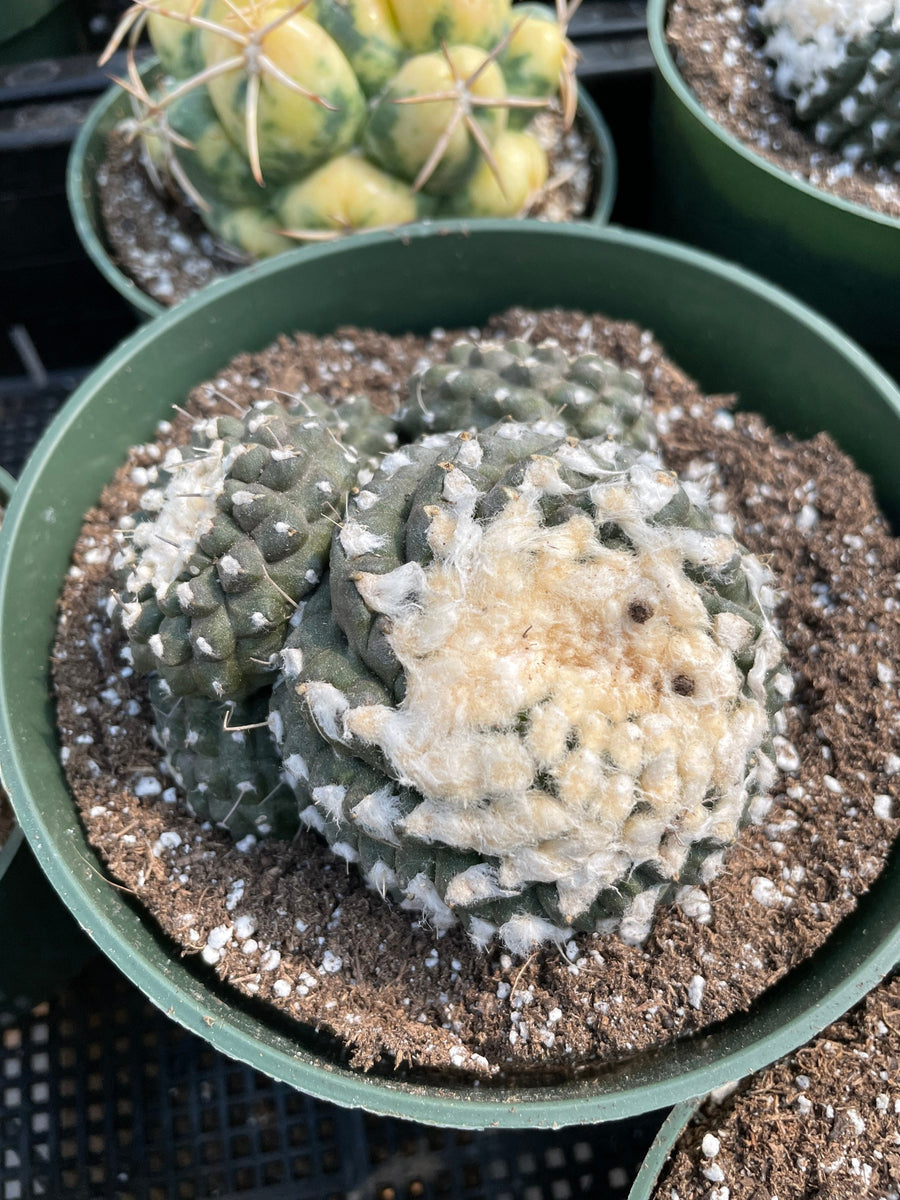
536 691
839 63
282 121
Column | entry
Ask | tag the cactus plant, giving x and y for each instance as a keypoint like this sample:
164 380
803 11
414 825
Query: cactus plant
233 532
274 116
536 690
224 761
479 384
839 64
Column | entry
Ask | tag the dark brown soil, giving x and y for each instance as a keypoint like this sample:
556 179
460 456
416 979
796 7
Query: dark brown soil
162 244
720 58
292 925
823 1123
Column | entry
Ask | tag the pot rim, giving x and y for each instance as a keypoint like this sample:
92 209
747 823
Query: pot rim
230 1024
80 184
10 848
661 1148
657 11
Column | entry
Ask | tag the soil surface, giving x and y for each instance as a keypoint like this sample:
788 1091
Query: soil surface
824 1122
720 58
291 924
162 244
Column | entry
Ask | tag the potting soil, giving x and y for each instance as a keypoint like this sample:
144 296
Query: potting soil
822 1122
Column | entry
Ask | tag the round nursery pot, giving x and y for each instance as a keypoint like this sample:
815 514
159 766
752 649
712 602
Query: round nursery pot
663 1144
713 191
89 151
729 329
42 945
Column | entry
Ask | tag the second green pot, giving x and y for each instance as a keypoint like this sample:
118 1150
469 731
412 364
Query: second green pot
89 152
713 191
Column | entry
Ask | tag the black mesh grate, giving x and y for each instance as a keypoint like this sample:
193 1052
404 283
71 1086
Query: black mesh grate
104 1098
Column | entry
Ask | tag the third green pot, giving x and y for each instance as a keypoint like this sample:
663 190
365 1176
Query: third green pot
714 192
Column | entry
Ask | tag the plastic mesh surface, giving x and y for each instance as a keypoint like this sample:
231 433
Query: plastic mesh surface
102 1097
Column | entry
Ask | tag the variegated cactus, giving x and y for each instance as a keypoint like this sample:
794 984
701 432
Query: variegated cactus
536 691
284 121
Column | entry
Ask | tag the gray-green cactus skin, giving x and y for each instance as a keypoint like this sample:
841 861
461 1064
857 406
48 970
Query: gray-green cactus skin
224 760
206 602
479 384
853 106
340 667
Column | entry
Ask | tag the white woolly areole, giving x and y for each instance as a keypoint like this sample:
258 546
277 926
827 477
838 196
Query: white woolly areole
185 510
571 709
811 36
378 814
356 540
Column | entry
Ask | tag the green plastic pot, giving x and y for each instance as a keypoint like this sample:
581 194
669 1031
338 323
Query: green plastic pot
89 151
31 915
729 329
658 1155
713 191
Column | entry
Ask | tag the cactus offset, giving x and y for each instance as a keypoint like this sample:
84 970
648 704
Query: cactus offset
225 762
231 537
263 97
554 674
839 63
477 385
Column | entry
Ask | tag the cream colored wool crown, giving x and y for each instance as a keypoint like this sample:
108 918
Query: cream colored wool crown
571 710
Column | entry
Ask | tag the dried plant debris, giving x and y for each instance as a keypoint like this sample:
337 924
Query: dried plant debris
823 1122
718 49
294 925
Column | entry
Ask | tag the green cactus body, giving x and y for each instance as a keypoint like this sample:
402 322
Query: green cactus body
276 108
534 59
253 230
840 66
295 133
559 674
367 33
506 187
225 762
401 136
216 168
587 396
233 534
424 24
349 192
175 41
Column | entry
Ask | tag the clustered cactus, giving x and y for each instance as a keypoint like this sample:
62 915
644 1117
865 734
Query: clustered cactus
526 680
284 121
838 61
